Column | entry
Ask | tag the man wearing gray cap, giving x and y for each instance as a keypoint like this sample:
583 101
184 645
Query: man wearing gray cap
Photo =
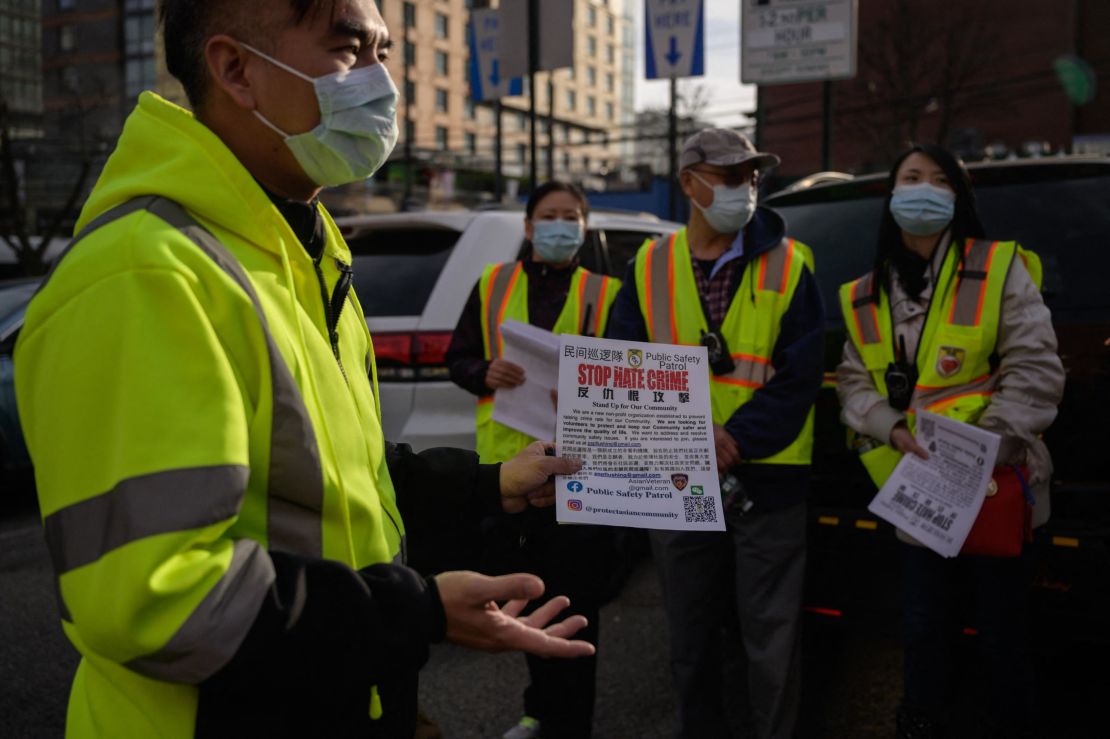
732 281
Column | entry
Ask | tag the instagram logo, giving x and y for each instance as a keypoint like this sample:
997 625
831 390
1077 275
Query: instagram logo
574 505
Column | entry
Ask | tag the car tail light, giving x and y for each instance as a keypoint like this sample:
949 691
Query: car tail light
412 357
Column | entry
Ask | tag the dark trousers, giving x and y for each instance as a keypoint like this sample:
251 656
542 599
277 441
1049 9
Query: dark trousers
572 561
760 563
996 589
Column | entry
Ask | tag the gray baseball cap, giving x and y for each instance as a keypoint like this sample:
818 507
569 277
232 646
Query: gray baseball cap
724 148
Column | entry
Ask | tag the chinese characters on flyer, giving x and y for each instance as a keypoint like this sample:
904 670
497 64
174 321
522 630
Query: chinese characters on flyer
638 415
936 500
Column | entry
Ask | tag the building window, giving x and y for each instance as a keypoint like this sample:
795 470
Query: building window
521 153
566 161
139 75
468 108
410 92
609 111
442 67
591 46
67 4
441 137
410 131
471 144
591 16
609 82
67 38
442 29
611 54
591 76
591 105
586 164
441 101
521 122
572 99
139 34
138 45
410 54
612 25
410 15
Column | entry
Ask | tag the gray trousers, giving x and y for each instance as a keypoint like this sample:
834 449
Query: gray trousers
760 562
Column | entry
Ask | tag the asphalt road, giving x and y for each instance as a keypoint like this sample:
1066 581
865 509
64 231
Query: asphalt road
852 661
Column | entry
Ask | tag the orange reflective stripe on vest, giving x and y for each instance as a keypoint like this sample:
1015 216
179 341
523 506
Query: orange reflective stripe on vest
497 298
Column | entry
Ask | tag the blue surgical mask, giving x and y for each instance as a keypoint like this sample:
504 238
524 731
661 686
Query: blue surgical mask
922 210
556 242
731 209
358 124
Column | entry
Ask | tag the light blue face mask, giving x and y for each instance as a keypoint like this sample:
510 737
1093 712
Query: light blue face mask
731 209
922 210
358 124
556 242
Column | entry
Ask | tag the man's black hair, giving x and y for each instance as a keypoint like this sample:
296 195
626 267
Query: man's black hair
547 188
188 24
965 225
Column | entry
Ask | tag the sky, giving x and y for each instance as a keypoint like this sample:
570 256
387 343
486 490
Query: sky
727 97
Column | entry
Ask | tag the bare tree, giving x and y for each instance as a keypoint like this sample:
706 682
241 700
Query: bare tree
920 71
21 230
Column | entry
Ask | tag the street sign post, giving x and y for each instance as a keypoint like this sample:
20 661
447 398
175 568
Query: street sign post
487 82
675 38
784 41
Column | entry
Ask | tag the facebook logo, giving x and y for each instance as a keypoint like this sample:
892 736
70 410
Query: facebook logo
574 486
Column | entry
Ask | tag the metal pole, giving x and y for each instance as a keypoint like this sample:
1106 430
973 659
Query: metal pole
533 64
408 139
498 157
826 126
672 148
551 125
760 117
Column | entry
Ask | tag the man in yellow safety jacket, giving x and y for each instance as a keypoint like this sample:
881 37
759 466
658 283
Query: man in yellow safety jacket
196 384
733 281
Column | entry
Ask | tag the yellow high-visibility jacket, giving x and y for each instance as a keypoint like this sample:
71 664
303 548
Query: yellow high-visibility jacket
186 415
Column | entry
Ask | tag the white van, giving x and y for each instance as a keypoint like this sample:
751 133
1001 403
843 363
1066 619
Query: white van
413 273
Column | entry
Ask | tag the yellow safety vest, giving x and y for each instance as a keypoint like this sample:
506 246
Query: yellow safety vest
186 414
503 290
955 375
672 310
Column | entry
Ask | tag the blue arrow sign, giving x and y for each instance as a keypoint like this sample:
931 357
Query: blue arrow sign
674 54
486 82
675 38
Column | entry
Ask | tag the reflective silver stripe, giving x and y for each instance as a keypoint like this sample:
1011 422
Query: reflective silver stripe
773 271
865 311
139 507
216 628
972 283
661 255
296 480
926 398
591 308
751 372
498 294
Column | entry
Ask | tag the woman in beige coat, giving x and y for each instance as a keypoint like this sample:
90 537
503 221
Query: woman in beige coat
929 246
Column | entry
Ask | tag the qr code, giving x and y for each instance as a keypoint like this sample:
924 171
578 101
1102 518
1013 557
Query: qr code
699 510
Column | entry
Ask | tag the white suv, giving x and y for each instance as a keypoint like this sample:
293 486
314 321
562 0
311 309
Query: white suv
413 273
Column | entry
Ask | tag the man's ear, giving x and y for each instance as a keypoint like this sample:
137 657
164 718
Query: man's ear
226 60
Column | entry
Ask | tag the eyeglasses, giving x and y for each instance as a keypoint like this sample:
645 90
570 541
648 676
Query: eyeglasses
732 178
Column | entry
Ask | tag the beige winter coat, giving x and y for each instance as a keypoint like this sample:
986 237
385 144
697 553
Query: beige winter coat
1028 385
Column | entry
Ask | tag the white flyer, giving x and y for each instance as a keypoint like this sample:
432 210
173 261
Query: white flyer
936 500
638 416
528 407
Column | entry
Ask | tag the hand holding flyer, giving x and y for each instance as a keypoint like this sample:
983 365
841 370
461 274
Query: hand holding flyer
936 500
638 416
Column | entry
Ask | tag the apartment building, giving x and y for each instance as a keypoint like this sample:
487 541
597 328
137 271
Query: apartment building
21 67
442 127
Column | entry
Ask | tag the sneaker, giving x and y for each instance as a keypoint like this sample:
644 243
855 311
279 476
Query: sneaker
528 728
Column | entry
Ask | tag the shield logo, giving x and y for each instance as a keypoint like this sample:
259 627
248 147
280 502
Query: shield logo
635 358
679 479
950 360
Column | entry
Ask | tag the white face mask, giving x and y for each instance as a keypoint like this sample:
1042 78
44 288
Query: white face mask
358 124
732 207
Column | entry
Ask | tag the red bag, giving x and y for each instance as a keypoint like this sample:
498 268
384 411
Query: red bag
1005 522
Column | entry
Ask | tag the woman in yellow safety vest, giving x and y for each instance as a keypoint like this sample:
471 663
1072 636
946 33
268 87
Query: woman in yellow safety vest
952 322
546 288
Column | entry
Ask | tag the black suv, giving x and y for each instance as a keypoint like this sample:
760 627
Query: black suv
1059 208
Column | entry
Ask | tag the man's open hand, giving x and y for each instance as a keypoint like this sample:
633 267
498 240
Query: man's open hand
475 620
